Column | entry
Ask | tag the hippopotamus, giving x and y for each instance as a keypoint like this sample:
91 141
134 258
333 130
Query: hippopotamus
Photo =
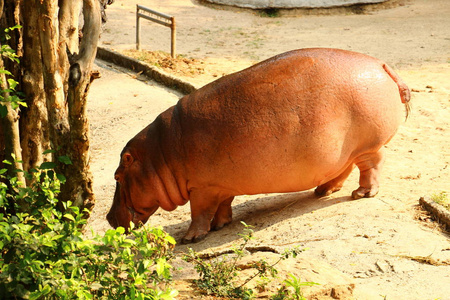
299 120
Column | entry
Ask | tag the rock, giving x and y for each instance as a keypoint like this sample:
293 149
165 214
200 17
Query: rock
261 4
437 210
403 266
361 274
342 292
383 266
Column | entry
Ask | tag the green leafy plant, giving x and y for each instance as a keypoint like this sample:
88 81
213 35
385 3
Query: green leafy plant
292 289
5 49
269 13
9 94
44 254
220 276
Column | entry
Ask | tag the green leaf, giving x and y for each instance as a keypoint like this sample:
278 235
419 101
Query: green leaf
14 105
7 162
3 111
61 178
170 240
69 216
12 83
120 230
38 294
47 165
65 160
5 72
49 151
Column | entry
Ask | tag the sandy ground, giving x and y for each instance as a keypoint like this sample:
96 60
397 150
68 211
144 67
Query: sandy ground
364 249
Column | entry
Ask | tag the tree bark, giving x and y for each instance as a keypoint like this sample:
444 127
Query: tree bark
56 67
68 23
10 132
34 122
53 74
80 78
10 141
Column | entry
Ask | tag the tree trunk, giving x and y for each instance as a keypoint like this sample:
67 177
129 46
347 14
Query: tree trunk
10 136
34 120
56 66
80 78
10 132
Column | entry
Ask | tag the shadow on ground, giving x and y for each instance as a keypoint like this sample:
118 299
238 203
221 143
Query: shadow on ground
261 212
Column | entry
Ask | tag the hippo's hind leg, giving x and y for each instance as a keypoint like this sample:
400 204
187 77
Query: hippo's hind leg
369 166
335 184
224 215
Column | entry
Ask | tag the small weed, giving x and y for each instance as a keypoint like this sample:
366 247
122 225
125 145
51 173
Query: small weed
442 198
295 284
256 43
269 13
220 276
251 55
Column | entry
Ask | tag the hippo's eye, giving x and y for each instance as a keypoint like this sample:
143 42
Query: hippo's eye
118 177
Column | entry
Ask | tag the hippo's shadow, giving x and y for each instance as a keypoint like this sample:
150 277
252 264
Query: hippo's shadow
262 212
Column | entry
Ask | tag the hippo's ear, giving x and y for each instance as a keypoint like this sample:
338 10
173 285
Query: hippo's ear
127 159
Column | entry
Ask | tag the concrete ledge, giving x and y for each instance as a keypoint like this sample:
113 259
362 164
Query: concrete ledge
262 4
150 71
438 211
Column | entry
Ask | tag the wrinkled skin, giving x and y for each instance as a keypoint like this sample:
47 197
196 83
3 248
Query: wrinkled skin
300 120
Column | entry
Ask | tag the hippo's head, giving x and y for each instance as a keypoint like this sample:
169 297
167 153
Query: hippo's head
134 199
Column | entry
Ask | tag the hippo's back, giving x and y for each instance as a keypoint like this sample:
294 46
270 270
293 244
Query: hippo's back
300 117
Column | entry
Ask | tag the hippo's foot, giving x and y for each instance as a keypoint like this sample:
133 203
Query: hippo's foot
223 216
369 166
323 190
187 239
335 184
207 211
198 229
362 192
217 224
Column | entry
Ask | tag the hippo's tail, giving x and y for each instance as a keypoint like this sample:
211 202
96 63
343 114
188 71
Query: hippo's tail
405 93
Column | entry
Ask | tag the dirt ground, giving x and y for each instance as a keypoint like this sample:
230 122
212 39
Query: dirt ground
379 248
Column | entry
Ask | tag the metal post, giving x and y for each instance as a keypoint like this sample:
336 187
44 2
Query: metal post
159 18
173 38
138 30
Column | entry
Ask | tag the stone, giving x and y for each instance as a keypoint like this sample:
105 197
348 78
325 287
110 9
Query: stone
383 266
262 4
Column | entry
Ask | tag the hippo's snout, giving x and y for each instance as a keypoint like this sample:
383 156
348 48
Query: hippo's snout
119 215
112 220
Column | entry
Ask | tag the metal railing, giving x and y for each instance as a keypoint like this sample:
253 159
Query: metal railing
157 17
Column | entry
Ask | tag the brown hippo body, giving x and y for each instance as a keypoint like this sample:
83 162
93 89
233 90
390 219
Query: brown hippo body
299 120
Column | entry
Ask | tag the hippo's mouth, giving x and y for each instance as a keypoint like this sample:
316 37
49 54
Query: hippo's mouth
123 211
139 218
133 216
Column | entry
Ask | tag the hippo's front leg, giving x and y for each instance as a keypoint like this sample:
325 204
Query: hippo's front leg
204 206
224 215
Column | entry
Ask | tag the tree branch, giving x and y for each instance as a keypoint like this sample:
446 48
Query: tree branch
53 77
10 130
69 12
80 64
